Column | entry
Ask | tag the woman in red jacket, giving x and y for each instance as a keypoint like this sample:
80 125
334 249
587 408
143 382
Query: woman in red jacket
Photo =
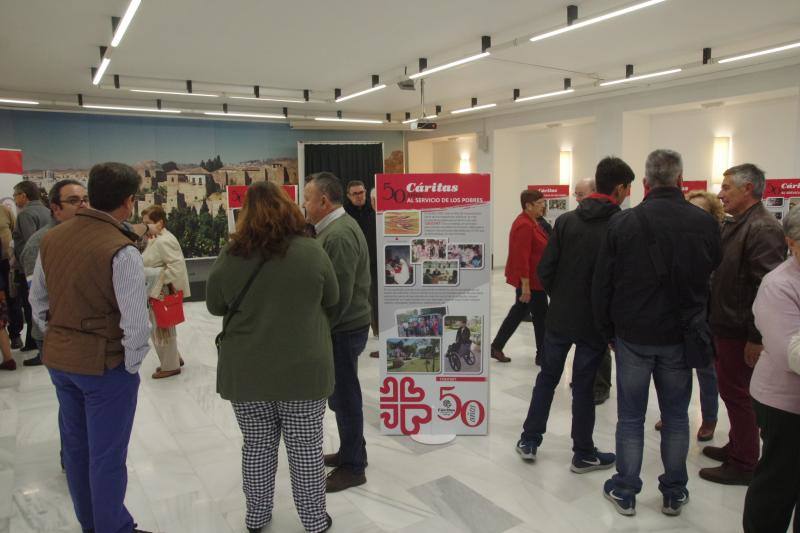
526 243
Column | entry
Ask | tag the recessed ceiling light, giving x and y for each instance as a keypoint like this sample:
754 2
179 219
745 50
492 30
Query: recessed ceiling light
122 27
642 77
176 93
595 20
246 115
128 108
17 101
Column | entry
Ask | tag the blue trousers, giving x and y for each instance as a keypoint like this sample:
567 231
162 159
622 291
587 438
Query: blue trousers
95 420
584 368
346 399
673 381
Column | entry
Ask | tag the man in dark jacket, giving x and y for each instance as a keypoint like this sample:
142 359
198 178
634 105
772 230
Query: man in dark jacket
752 244
641 313
566 271
360 209
32 215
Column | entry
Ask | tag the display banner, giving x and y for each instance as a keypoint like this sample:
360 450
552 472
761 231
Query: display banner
693 185
10 175
434 242
781 195
236 194
557 197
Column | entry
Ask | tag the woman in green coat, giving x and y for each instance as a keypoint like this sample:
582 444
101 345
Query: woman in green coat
275 358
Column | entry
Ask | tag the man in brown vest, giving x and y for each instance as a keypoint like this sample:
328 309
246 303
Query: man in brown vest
88 297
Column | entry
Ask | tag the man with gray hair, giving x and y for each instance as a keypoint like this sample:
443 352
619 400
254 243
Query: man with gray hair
350 319
652 272
752 245
584 188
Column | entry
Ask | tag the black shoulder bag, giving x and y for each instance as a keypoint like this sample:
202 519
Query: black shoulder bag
234 308
698 344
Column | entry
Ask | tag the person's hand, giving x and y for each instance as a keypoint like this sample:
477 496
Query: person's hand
525 297
752 352
152 230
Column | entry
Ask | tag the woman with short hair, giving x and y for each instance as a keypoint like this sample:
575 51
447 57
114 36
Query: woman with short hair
163 259
275 286
774 492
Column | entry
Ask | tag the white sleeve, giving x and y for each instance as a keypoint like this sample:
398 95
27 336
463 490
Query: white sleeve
794 353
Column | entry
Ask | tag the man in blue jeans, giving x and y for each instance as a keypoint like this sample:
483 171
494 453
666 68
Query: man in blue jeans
566 270
344 242
641 313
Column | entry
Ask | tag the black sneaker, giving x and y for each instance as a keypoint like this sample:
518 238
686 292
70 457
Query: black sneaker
33 361
672 504
16 343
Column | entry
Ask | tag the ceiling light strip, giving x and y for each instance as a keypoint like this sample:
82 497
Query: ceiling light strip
242 115
122 27
176 93
355 120
452 64
760 53
361 93
409 121
468 109
127 108
641 77
595 20
545 95
17 101
266 99
98 76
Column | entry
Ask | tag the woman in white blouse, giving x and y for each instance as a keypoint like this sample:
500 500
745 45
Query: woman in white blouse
164 259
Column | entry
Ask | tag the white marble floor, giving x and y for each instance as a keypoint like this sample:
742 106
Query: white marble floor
184 474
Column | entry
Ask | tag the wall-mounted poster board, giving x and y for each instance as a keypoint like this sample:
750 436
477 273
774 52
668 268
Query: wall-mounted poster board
10 175
693 185
781 195
557 197
434 234
236 195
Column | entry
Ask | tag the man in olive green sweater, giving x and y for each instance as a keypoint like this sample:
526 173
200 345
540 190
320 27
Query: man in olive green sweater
344 243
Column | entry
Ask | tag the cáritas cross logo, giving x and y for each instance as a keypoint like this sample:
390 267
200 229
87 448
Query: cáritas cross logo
402 403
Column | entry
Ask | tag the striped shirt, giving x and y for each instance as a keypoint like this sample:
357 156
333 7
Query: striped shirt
129 288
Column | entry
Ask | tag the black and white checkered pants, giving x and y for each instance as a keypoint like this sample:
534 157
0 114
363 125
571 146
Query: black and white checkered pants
301 423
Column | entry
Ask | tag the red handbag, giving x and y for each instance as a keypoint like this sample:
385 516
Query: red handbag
169 310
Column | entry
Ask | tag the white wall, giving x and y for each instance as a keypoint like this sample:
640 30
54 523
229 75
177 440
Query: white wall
442 155
764 133
420 157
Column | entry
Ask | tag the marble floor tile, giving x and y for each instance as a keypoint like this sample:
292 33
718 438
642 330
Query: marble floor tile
461 506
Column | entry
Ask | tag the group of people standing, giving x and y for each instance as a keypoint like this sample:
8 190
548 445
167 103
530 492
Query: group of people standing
677 283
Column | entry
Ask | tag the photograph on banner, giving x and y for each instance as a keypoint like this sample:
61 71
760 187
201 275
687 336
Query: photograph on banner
420 325
397 265
440 273
775 205
402 223
421 322
435 375
414 355
428 250
463 341
469 256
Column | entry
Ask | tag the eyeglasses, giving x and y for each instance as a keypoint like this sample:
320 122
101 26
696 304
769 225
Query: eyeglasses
76 200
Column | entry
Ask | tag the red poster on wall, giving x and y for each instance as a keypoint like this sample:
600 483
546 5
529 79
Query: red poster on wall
10 175
694 185
551 191
557 197
781 195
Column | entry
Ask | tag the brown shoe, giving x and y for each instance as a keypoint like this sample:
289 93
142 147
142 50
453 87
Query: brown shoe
343 478
706 431
375 354
659 425
160 374
8 365
158 368
726 474
499 355
332 459
716 453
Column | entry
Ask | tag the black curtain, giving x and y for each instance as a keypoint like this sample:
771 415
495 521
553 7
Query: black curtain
348 161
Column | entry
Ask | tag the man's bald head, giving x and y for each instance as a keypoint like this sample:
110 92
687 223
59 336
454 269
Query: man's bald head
584 188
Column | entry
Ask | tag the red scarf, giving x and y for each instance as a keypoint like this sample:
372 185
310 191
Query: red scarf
601 196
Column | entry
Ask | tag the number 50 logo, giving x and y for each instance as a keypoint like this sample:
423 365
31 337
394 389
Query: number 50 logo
472 412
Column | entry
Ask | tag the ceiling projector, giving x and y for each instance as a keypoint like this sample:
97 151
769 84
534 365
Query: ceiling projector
423 125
